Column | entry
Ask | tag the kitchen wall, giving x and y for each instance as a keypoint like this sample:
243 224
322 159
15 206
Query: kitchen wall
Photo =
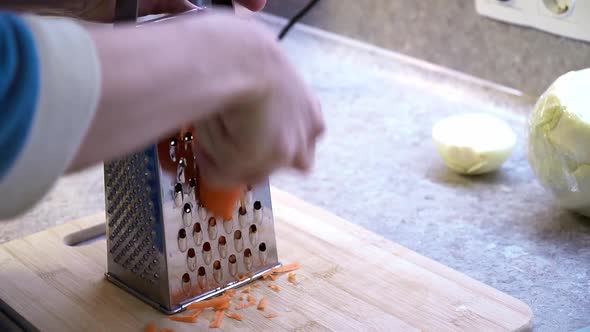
450 33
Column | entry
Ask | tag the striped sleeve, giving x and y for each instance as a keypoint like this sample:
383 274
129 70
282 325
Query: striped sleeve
19 87
47 104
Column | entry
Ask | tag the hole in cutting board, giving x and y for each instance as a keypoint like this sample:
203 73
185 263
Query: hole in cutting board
86 236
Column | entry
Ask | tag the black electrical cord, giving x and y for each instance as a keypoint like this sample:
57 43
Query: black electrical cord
297 17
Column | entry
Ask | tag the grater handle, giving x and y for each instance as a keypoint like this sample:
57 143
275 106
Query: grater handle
126 11
228 3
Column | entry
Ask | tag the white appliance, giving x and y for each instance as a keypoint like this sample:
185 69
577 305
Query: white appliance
568 18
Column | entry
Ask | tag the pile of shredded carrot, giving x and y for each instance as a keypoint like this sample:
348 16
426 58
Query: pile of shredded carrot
220 305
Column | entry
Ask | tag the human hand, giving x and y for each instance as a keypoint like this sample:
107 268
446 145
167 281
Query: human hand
253 113
275 126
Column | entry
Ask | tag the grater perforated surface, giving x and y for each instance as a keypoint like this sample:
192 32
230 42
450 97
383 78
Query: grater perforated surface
132 212
164 246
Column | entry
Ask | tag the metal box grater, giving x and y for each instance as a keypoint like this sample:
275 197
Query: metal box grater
163 246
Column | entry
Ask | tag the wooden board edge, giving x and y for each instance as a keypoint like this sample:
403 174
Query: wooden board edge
280 197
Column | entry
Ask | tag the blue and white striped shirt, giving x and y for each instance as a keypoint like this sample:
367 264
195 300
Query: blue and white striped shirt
49 92
19 87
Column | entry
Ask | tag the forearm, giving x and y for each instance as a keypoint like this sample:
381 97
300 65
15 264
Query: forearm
154 81
97 93
53 106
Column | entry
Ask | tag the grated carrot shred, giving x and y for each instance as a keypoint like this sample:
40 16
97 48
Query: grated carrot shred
236 316
151 327
184 319
196 313
246 291
262 304
269 275
251 302
231 292
212 303
218 319
292 278
286 268
275 288
224 306
271 315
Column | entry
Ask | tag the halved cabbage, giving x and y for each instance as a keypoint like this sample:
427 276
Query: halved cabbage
473 143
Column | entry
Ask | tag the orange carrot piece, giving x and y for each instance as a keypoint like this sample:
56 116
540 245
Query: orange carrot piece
218 319
268 275
255 286
231 292
190 318
212 303
246 291
236 316
195 313
275 288
220 202
271 315
184 319
286 268
262 304
151 327
292 278
251 302
242 306
241 298
224 306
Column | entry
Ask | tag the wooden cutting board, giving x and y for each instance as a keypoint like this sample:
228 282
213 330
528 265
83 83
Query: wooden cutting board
350 279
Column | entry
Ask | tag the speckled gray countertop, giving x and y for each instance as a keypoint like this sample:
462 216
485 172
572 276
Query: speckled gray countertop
378 168
452 34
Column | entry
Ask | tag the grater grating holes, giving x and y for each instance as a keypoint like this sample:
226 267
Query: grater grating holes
212 228
253 234
207 254
238 241
202 278
191 259
130 211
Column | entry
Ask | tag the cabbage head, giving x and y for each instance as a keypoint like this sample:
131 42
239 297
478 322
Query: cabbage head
559 140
